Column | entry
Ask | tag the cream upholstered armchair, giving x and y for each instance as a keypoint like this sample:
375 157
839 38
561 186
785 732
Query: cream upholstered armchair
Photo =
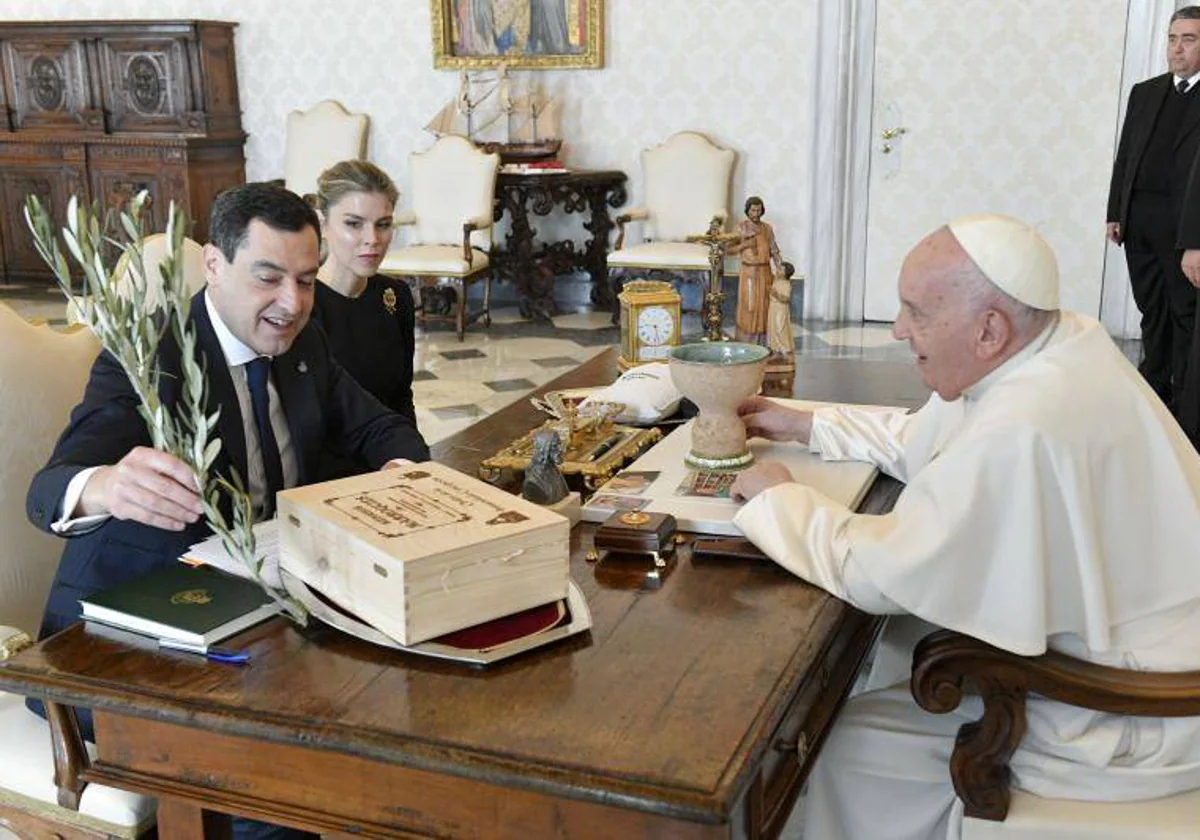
453 189
154 251
318 138
686 184
42 375
947 663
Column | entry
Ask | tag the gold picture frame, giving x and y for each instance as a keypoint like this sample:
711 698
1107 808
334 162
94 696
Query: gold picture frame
566 36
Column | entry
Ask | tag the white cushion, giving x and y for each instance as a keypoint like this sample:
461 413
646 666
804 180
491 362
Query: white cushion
647 391
317 139
42 376
691 256
687 181
452 183
1032 817
27 778
432 261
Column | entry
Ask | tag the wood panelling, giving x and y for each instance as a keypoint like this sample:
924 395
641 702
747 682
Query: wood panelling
105 109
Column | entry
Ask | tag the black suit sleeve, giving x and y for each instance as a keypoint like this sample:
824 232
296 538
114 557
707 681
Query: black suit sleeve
102 430
1117 184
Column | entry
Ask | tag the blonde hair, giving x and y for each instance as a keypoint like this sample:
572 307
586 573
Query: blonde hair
349 177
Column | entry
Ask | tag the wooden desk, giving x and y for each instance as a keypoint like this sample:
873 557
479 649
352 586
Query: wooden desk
679 714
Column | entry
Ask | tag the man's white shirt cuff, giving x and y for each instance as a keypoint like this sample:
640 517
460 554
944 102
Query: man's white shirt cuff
68 525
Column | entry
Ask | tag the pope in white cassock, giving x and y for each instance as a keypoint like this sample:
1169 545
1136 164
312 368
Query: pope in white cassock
1051 502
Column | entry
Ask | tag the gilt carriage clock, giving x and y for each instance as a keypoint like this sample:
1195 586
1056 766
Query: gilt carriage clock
650 322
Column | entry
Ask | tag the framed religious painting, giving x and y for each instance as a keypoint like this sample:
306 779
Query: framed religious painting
520 34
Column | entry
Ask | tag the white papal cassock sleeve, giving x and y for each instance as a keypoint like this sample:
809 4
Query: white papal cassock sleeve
849 433
805 532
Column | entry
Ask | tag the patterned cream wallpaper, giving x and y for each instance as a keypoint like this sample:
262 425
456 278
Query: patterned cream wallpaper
1011 107
669 66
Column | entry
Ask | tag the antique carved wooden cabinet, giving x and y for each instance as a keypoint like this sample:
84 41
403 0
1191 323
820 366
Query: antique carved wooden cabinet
107 108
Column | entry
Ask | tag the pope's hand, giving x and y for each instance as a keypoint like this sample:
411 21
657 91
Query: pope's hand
767 419
1112 230
760 477
146 486
1191 266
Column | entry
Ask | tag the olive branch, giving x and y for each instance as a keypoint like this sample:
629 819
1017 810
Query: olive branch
116 307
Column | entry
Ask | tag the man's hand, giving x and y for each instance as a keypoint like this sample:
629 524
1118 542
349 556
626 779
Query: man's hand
1113 231
1191 267
760 477
772 421
146 486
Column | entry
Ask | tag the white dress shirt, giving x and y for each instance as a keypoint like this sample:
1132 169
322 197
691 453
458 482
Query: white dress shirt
1191 80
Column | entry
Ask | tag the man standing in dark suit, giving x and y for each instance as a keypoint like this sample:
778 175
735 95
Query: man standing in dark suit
127 508
1159 142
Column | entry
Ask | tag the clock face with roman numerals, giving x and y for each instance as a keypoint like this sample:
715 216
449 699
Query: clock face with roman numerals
655 326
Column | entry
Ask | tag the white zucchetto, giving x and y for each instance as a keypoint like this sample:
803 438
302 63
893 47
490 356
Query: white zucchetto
1012 256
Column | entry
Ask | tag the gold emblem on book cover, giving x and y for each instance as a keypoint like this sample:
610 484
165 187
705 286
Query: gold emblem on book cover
192 596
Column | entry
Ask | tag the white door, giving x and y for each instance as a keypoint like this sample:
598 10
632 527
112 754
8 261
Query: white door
1007 107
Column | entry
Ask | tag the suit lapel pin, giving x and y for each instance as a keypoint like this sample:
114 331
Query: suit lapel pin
389 300
302 367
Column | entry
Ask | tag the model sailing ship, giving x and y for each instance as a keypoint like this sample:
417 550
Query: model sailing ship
521 127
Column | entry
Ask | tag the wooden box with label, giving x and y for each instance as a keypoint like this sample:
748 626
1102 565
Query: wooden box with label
423 550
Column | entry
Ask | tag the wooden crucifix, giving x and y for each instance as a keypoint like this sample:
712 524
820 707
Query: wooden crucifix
716 241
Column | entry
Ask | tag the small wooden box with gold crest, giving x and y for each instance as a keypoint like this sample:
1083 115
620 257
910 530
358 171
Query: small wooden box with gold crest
650 322
634 549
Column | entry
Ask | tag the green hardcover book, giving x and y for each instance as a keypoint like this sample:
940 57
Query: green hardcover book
196 606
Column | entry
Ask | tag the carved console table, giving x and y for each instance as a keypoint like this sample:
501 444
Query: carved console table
106 109
531 266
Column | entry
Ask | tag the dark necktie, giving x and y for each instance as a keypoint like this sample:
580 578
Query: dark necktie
1182 87
257 371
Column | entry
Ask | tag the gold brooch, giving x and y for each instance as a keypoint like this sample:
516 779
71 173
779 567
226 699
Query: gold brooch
389 300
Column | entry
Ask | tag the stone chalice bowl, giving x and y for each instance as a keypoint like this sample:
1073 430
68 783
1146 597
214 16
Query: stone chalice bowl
717 376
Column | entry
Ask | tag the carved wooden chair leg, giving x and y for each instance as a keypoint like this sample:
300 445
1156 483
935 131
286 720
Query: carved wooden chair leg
487 298
70 754
616 283
422 287
460 288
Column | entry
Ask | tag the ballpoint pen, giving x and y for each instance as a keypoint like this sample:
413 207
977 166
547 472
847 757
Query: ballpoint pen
216 654
605 445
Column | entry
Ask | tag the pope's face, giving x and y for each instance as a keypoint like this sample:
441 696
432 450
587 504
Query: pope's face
358 229
265 294
933 318
1183 48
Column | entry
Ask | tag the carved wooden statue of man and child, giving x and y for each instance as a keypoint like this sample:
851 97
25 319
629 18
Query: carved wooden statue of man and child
764 286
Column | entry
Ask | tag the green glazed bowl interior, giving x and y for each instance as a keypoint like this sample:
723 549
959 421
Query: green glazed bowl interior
719 353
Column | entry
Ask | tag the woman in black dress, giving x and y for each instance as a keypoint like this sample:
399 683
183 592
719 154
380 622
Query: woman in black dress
369 318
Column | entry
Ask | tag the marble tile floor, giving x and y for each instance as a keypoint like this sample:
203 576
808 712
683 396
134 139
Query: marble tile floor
456 383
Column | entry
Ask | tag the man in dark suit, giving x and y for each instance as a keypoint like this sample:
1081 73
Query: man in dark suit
1159 142
127 508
